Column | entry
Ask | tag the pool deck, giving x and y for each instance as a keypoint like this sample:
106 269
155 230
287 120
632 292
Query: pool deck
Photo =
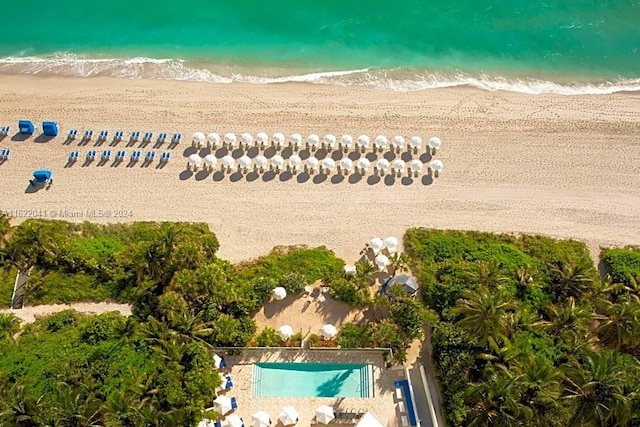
382 405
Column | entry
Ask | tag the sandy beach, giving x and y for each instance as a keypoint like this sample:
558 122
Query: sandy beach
566 166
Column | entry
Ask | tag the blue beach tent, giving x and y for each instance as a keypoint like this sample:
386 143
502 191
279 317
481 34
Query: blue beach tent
26 127
50 128
41 176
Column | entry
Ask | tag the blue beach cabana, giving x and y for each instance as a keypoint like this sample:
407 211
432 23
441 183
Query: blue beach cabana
50 128
41 176
26 127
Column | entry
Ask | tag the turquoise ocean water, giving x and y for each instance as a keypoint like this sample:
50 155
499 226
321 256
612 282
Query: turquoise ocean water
561 46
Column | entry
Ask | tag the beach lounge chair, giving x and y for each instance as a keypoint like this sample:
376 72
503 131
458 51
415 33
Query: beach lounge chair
73 133
234 403
88 134
164 157
217 424
135 136
118 136
5 130
147 137
120 155
103 135
150 155
229 383
135 156
162 138
73 156
176 138
106 154
26 127
91 154
4 154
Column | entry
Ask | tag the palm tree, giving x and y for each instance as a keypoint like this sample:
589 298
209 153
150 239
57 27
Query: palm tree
527 279
540 387
20 409
9 327
398 262
620 324
484 313
569 319
488 274
571 278
76 407
364 272
5 228
30 244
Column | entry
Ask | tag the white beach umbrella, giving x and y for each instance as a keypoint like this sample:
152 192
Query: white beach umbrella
213 139
261 162
381 142
296 141
195 160
233 420
222 405
416 166
435 143
278 140
312 163
262 139
346 165
381 262
415 143
391 243
398 142
210 160
328 331
376 244
230 139
217 361
368 420
363 142
198 137
363 165
329 141
383 165
313 140
223 382
277 161
324 414
328 164
246 139
436 166
260 419
228 161
279 293
285 332
245 162
346 142
398 166
295 162
288 416
206 423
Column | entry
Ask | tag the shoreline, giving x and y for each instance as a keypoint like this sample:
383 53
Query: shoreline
548 164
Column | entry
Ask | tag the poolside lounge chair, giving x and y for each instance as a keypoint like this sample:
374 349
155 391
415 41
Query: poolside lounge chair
4 154
234 403
147 137
4 131
164 157
135 136
118 135
88 135
106 154
73 156
91 154
120 155
73 133
150 155
176 138
135 156
162 138
103 135
404 421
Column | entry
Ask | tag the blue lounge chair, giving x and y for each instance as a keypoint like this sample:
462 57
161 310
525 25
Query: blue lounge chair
223 364
164 157
106 154
234 403
50 128
217 424
135 155
118 135
120 155
5 130
91 154
147 136
176 138
103 135
150 155
73 133
162 138
41 176
4 154
135 135
26 127
88 134
73 156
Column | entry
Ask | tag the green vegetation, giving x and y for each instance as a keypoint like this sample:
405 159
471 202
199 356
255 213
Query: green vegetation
529 335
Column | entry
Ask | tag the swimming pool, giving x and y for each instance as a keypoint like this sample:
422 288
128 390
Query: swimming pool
312 380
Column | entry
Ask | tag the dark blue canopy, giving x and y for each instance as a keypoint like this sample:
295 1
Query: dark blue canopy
26 127
50 128
42 175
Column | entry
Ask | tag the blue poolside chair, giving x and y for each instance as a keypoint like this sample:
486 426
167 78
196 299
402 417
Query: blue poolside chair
4 131
50 128
150 155
135 135
118 135
73 156
106 154
4 154
73 133
162 137
234 403
88 134
103 135
176 138
26 127
120 155
147 136
164 157
135 155
91 154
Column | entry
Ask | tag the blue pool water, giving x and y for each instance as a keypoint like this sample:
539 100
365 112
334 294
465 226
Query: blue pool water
312 380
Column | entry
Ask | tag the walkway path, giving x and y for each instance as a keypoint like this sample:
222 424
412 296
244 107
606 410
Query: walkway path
29 314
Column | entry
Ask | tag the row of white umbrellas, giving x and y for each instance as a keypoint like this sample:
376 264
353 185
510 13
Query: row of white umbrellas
295 163
289 416
390 244
313 141
328 331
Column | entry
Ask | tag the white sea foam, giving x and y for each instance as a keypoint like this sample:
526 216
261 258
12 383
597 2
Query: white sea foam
66 64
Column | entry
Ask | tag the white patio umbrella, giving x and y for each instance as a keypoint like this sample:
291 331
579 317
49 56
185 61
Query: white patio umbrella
246 139
285 332
233 420
222 405
328 331
262 139
296 141
436 166
217 361
313 141
278 140
381 262
210 160
312 163
198 138
206 423
328 164
435 143
213 139
278 162
416 166
383 166
329 141
391 243
376 244
368 420
288 416
398 166
295 162
223 382
346 165
245 162
346 142
230 139
363 142
324 414
228 161
279 293
415 143
260 419
195 161
398 142
363 165
261 162
381 142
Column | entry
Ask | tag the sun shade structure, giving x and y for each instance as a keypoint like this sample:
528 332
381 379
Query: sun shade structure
279 293
260 419
435 143
218 362
398 166
41 176
346 165
368 420
285 332
296 140
50 128
436 166
230 139
198 138
383 165
398 142
415 143
209 160
346 141
277 161
288 416
279 140
381 262
363 165
329 141
295 162
26 127
261 162
245 162
376 244
262 139
391 243
312 163
195 160
381 142
233 420
222 405
228 161
363 142
246 139
213 139
416 166
328 331
328 164
313 140
408 283
324 414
